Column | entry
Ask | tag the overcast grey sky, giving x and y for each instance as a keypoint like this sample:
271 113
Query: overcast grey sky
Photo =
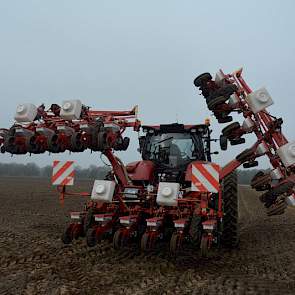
116 54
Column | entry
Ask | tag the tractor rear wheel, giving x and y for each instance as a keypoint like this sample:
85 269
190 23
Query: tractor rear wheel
230 237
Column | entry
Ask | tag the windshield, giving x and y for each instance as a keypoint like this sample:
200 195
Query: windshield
174 149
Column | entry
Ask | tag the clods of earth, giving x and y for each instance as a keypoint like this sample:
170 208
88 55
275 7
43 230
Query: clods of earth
33 260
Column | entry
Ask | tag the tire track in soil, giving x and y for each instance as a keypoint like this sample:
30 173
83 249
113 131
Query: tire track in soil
33 260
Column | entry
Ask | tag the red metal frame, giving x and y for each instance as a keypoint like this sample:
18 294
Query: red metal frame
266 129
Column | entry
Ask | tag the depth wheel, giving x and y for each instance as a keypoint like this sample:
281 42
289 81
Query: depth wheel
147 241
277 208
223 142
261 181
196 229
237 141
215 102
52 144
91 239
245 155
76 142
224 119
144 242
76 231
67 236
270 197
88 220
204 246
228 90
9 144
230 128
201 79
117 240
175 244
32 146
120 239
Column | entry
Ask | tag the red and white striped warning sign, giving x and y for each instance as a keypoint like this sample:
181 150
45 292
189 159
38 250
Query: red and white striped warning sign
63 173
205 177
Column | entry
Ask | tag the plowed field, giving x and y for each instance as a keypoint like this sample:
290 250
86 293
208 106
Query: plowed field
34 261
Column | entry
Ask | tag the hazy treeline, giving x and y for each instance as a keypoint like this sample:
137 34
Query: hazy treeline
245 176
31 169
92 172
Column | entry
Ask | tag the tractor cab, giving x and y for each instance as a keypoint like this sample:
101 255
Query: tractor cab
173 147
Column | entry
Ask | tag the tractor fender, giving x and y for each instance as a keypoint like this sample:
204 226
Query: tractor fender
141 170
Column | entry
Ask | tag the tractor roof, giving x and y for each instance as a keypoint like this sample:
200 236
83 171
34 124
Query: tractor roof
175 128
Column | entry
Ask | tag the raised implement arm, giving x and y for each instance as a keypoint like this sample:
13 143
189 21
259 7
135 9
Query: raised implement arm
71 127
230 93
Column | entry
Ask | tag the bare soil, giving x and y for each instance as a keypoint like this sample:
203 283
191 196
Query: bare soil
34 261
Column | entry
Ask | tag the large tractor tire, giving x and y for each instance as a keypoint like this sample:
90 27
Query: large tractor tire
230 235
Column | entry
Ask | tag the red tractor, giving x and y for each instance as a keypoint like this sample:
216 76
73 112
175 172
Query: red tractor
172 196
175 196
185 201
